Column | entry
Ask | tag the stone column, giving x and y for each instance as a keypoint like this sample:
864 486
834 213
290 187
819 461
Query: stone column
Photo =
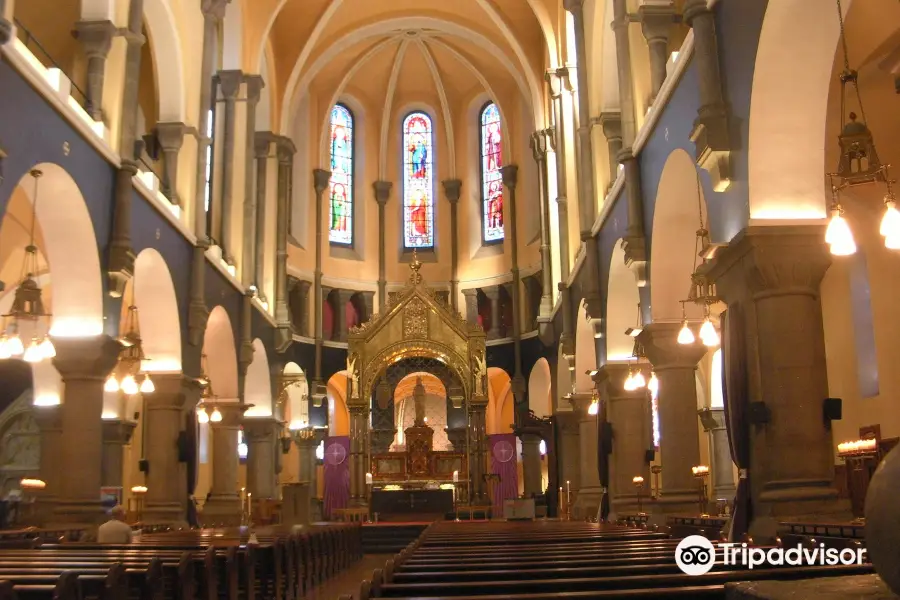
656 23
84 364
620 26
493 295
307 453
321 179
720 452
260 434
531 465
612 130
262 142
368 299
224 504
96 40
382 195
198 313
49 421
171 137
555 79
772 275
164 414
213 13
471 296
116 434
135 40
635 240
286 152
538 143
120 257
567 337
590 492
303 326
340 313
630 420
230 85
359 436
675 365
249 247
569 446
477 450
452 189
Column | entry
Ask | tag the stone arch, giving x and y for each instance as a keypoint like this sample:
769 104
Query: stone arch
297 400
436 411
622 298
501 405
564 381
168 57
673 250
540 402
585 350
797 44
258 383
158 318
338 413
221 356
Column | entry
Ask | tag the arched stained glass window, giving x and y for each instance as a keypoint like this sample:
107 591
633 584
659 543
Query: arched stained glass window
418 182
491 178
340 205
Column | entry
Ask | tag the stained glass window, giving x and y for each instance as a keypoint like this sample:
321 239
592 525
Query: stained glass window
418 182
491 179
340 211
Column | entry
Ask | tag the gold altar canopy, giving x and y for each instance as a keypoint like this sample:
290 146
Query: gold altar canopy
416 323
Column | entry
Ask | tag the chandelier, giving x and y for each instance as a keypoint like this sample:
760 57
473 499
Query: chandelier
858 165
129 366
703 290
208 398
635 379
27 306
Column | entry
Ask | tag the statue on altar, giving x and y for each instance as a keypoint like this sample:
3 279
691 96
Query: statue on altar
419 399
479 370
353 375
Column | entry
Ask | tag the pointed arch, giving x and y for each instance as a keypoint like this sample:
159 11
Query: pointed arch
221 356
258 383
158 318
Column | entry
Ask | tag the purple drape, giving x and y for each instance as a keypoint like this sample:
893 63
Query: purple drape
337 474
736 397
503 463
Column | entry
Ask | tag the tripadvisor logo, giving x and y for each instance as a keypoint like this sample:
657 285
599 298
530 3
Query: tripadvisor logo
696 555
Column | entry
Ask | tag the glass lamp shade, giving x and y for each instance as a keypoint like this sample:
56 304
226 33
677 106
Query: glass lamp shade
129 385
708 334
147 386
839 236
216 416
639 380
47 348
111 385
4 348
15 345
890 222
892 242
33 353
594 408
202 416
685 336
630 385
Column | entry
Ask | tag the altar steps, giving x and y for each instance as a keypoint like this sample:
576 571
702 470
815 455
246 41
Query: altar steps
389 538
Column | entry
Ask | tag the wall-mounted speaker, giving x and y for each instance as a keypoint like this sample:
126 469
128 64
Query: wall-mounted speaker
144 466
831 410
649 455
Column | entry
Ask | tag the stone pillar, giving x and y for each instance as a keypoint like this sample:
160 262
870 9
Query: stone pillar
49 421
452 189
656 23
321 179
224 504
555 79
477 450
340 313
135 40
635 241
84 364
120 257
772 275
230 85
359 436
538 143
249 246
457 437
590 492
260 434
620 26
493 295
116 434
711 132
630 420
171 137
262 142
286 152
720 452
675 365
531 465
567 337
612 130
471 296
96 40
382 195
164 414
198 313
369 303
213 13
307 445
303 325
569 446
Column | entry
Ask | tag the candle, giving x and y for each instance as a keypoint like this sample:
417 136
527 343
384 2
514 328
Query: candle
455 476
638 480
249 505
368 479
568 489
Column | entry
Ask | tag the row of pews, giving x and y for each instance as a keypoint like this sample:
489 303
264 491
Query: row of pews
555 560
281 563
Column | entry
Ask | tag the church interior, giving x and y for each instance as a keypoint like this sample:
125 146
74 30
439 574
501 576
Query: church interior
484 298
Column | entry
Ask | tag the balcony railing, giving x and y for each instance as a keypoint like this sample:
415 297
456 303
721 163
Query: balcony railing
37 49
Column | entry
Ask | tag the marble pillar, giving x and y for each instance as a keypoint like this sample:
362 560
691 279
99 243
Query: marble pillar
131 81
611 122
96 41
452 188
84 364
590 492
538 143
262 445
382 195
359 435
630 421
116 433
722 466
556 81
771 275
321 180
471 297
657 20
230 85
254 85
224 504
675 365
493 295
531 465
171 138
262 144
166 478
286 151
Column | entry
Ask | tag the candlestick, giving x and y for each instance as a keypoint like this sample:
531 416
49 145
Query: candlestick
455 476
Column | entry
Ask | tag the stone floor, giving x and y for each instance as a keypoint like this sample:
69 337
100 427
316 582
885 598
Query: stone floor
347 581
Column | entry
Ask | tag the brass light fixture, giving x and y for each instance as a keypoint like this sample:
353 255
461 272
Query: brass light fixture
130 365
636 379
28 305
208 398
703 290
858 165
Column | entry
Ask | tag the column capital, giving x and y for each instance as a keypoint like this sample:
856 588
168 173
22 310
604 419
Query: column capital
382 190
660 342
232 414
344 295
321 179
611 122
214 8
230 82
170 135
285 148
255 84
556 78
657 20
610 382
116 431
510 174
262 141
693 9
574 6
95 37
537 141
259 429
581 402
470 292
86 358
763 260
452 189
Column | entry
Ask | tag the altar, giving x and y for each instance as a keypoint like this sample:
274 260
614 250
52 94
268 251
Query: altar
422 504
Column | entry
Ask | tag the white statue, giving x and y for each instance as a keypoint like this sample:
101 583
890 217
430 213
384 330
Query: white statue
419 399
353 375
480 372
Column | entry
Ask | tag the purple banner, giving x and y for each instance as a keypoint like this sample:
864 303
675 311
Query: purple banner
337 474
503 463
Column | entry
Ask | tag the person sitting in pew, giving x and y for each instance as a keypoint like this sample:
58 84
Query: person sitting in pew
116 530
